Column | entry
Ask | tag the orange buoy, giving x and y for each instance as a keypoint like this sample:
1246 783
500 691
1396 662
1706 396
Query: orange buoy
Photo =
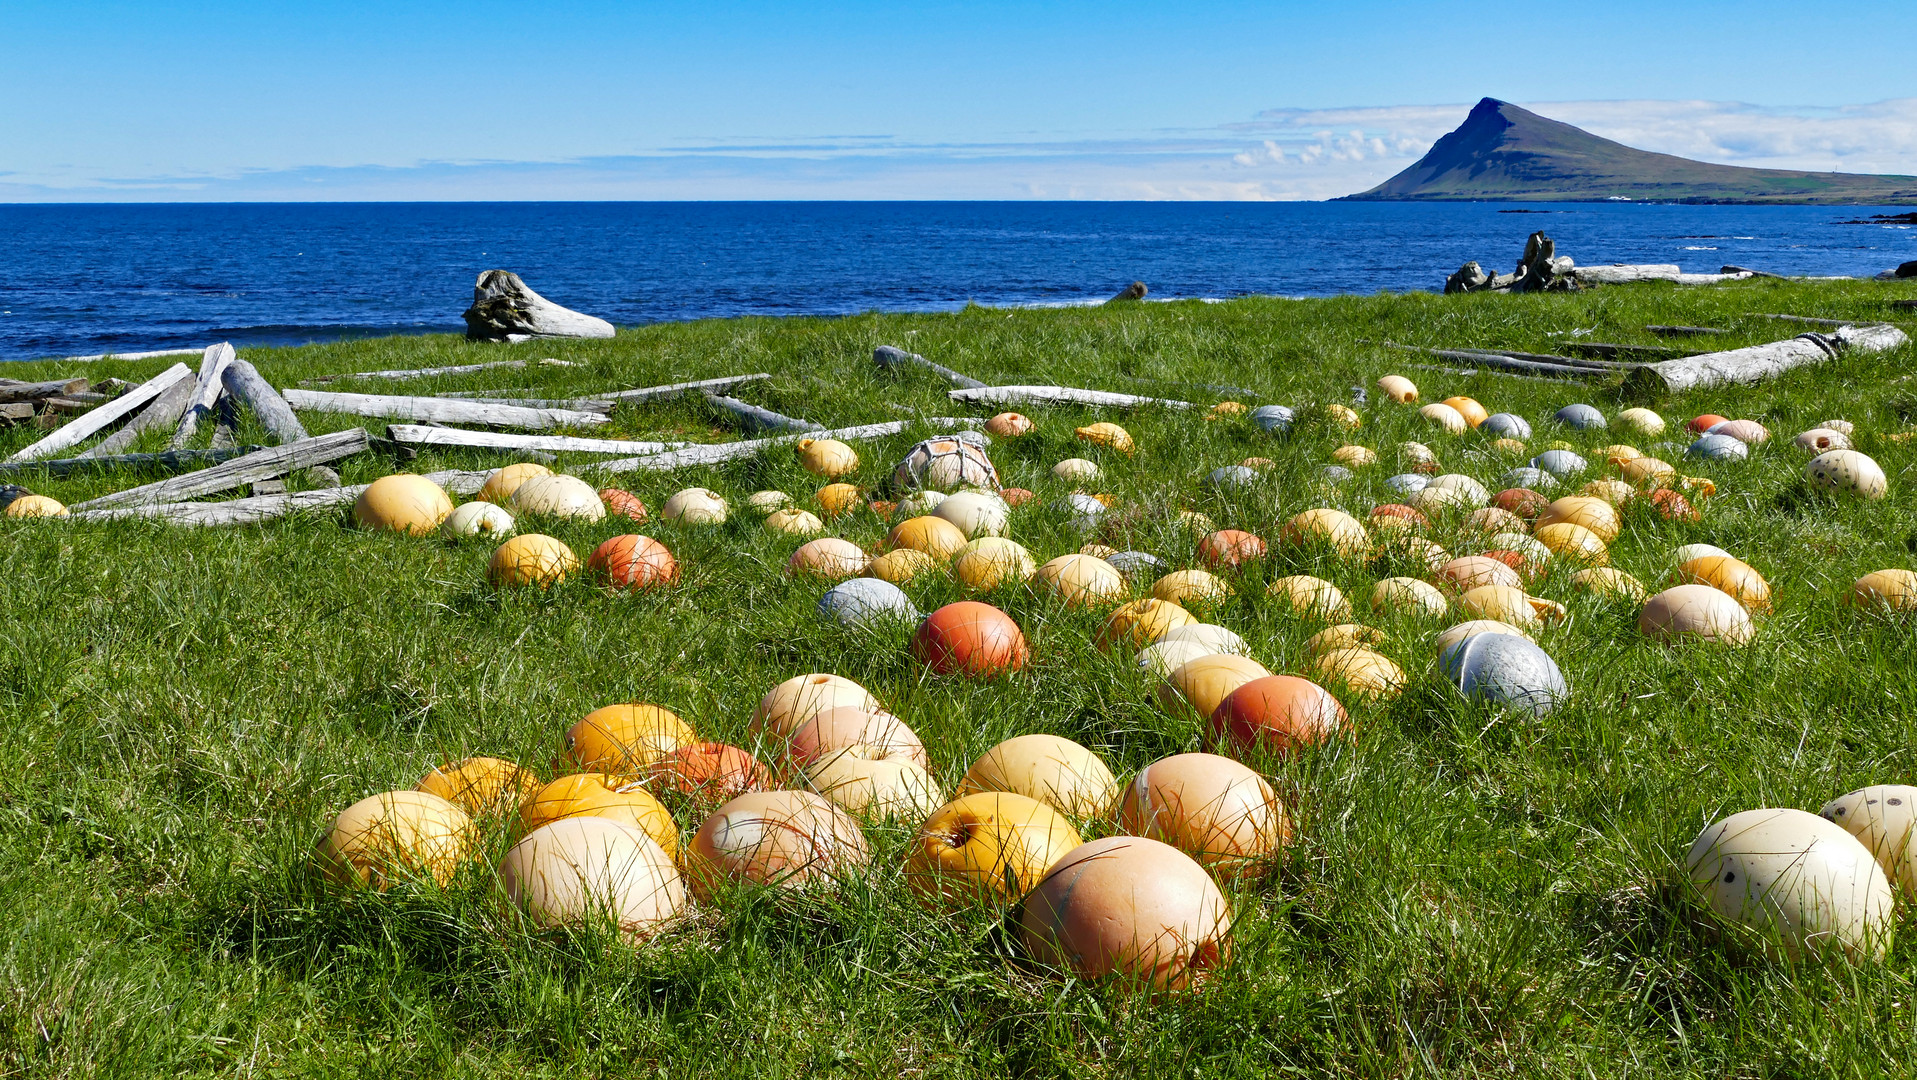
1209 807
1230 549
970 638
626 739
1279 713
480 785
594 794
633 562
1132 909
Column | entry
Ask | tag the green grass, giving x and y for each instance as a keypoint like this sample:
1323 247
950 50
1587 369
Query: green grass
1471 892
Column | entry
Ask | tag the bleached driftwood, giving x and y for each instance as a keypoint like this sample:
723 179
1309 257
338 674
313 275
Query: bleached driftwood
419 435
14 412
1682 331
506 309
260 465
439 410
1759 362
718 453
891 356
275 413
150 355
170 461
206 392
81 429
266 507
1625 274
427 373
162 413
1806 320
753 418
673 390
39 391
591 405
1058 395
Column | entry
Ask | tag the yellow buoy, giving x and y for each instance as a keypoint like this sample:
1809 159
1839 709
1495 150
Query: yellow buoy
402 502
531 559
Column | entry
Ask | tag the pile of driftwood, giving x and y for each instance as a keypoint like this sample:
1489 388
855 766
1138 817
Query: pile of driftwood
1541 269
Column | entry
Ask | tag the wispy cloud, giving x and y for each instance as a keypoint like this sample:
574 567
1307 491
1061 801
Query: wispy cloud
1275 155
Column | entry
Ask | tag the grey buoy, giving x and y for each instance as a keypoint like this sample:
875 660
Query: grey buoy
1232 476
1581 417
1506 670
1560 463
1273 419
1408 483
1136 563
861 603
1718 448
1524 476
1507 425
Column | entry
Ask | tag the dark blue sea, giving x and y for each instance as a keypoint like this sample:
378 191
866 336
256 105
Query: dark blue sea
100 278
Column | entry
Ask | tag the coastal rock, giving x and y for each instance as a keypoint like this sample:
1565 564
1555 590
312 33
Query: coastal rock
1469 278
506 309
1135 291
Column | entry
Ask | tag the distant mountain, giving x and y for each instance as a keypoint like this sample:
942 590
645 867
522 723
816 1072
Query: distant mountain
1502 152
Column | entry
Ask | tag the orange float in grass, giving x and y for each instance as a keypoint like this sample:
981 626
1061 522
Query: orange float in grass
1230 549
1280 713
970 638
623 503
633 562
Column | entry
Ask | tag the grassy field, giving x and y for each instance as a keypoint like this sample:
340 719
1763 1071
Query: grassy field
1470 893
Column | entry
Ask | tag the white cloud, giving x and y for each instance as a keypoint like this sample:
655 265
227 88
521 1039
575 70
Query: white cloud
1278 154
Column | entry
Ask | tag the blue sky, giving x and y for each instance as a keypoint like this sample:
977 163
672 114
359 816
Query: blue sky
343 100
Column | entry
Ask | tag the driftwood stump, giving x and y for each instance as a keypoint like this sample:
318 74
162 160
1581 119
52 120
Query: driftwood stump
1135 291
506 309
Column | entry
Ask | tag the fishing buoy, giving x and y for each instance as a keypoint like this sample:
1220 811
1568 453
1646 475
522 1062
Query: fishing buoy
1141 622
794 702
558 496
1334 528
1341 416
947 463
1391 516
976 514
1106 434
501 483
626 739
1009 425
900 566
1795 884
478 519
1191 588
876 788
1733 577
1587 512
1355 457
1612 491
1472 628
1331 476
1365 674
1580 417
1506 425
988 844
1842 426
1560 463
1231 476
935 536
1674 507
1607 583
1281 714
1505 670
582 869
780 839
622 503
1819 440
1311 597
1204 682
1717 448
1342 636
919 503
1749 432
866 603
394 836
1510 447
1507 604
1473 413
829 458
764 503
1526 477
1128 909
1573 542
1406 596
1618 455
1399 389
695 506
1081 581
1688 552
633 562
1492 520
828 557
837 500
793 521
1215 638
1414 550
1882 818
1524 502
596 794
1230 549
1064 775
480 785
531 559
1846 471
1695 611
1641 422
1647 472
401 502
708 773
1886 590
1420 457
1445 418
988 562
1075 471
1472 571
1209 807
34 506
872 734
1470 491
1161 658
1518 551
1700 425
1272 419
969 638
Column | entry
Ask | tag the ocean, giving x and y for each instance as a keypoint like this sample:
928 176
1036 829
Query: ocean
98 278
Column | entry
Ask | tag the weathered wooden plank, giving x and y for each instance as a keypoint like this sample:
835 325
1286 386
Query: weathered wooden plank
1608 350
1058 395
16 411
1624 274
167 461
206 391
717 453
84 427
891 356
273 411
432 372
37 391
440 410
266 507
673 390
1683 331
241 471
1759 362
753 418
591 405
421 435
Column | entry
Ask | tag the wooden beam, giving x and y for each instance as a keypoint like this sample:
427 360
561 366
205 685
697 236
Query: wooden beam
753 418
273 411
421 435
440 410
1623 274
206 391
717 453
891 356
241 471
591 405
84 427
1683 331
39 391
170 461
1759 362
673 390
433 372
1058 395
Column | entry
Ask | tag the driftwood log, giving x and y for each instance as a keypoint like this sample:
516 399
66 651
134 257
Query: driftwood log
1682 331
1058 395
1760 362
274 413
1625 274
263 464
427 373
719 453
420 435
680 389
753 418
40 391
440 410
266 507
506 309
1539 269
206 393
85 427
591 405
170 461
164 412
891 356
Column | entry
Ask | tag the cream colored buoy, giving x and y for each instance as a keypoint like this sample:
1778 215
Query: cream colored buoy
558 496
1215 638
765 503
1884 819
1161 658
695 506
1140 622
1847 471
1075 471
794 702
503 482
1608 583
1696 611
1054 770
574 871
828 557
900 565
1191 588
1886 590
793 521
401 502
1311 597
386 838
829 458
1343 636
478 519
990 561
1342 532
876 788
1399 389
1734 577
1641 422
976 514
1210 807
1406 595
1081 580
1445 418
1364 673
1472 628
1798 884
1203 683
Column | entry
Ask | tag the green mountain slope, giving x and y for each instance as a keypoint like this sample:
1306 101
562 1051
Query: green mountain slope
1502 152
